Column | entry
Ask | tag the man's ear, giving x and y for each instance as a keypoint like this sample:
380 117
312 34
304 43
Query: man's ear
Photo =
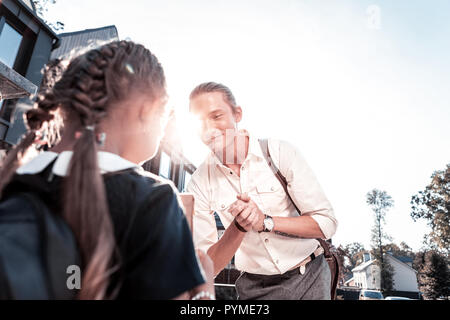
238 114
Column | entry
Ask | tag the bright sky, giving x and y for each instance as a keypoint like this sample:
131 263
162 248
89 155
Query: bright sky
360 87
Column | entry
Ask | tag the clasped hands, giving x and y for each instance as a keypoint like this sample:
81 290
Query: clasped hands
247 213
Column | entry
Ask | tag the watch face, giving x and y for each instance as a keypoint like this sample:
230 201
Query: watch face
268 224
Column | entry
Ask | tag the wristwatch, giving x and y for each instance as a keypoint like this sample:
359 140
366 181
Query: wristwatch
268 223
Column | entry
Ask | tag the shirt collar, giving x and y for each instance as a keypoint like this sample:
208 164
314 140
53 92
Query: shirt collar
108 162
254 149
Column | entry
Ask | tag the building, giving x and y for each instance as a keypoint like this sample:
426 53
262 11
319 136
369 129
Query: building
26 43
367 275
74 43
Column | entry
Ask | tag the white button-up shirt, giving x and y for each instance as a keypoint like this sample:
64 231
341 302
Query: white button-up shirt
216 186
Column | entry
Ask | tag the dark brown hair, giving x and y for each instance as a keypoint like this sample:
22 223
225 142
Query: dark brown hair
91 85
215 87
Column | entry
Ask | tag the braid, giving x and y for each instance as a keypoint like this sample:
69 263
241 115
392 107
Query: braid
40 113
89 96
93 83
84 91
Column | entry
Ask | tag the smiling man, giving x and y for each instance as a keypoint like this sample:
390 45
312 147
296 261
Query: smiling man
274 247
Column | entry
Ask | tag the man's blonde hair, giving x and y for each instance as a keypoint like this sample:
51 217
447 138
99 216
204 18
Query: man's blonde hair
215 87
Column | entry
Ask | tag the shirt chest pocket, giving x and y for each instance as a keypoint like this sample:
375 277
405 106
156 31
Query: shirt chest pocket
272 197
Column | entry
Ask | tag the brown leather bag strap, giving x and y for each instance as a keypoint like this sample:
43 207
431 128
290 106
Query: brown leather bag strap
265 150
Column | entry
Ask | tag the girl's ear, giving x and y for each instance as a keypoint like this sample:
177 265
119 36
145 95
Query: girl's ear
147 108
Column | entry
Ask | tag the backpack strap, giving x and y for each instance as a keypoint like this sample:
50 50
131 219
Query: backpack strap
264 143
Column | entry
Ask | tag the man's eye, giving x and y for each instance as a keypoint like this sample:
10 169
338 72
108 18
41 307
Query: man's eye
217 116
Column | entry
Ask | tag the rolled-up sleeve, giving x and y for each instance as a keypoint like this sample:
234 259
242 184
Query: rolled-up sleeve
305 189
204 224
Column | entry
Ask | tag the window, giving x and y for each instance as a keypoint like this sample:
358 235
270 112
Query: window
366 256
187 178
164 165
10 41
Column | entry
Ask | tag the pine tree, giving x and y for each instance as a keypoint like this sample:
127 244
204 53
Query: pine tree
380 202
433 275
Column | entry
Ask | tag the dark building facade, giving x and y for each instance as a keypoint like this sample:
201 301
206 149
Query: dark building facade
26 43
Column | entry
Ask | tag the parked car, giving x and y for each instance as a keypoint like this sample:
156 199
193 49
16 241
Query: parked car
370 295
397 298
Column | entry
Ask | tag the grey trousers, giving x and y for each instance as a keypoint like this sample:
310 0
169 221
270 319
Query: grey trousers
314 284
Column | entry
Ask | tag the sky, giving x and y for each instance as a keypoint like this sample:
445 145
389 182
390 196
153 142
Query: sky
360 87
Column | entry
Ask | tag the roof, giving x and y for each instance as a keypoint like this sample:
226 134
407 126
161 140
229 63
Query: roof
362 266
73 43
349 280
405 262
29 7
368 263
29 4
404 259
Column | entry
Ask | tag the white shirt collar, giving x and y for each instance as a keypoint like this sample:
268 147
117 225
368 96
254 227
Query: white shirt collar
254 149
108 162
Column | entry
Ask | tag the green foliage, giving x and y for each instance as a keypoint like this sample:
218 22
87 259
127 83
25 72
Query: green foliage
380 202
433 275
354 253
42 9
386 276
433 205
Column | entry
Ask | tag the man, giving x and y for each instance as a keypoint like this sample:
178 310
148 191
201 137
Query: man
274 246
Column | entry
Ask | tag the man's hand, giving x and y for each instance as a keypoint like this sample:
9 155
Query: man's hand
247 213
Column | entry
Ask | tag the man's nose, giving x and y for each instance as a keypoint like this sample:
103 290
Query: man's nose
207 125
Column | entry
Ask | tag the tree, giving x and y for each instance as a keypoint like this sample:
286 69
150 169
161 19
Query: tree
402 250
41 7
353 252
380 202
433 275
433 205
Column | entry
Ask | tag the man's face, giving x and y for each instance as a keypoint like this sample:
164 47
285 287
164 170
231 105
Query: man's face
218 121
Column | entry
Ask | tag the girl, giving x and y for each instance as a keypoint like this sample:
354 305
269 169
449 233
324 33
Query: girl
132 236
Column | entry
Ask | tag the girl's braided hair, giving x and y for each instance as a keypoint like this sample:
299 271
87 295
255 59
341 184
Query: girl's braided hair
83 93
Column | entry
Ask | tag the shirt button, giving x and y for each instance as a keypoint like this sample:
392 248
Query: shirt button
272 188
223 206
277 261
289 185
266 240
